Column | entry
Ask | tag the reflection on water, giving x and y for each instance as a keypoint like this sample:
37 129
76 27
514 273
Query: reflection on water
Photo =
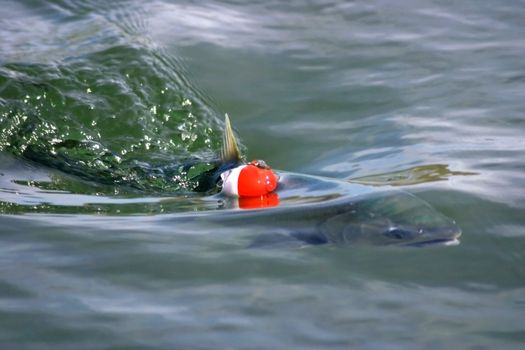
416 175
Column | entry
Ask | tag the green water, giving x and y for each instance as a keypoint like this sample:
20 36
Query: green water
104 104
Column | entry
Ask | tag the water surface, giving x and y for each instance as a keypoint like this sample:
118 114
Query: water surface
424 96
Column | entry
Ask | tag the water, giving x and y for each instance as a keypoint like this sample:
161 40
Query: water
427 97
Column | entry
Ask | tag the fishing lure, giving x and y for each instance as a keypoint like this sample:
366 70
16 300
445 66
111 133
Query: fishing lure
254 179
249 180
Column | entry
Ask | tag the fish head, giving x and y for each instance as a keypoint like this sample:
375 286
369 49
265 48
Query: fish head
392 218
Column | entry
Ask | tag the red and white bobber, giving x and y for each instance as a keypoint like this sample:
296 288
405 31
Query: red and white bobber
254 179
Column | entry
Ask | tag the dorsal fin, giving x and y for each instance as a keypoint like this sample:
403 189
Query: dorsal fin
230 151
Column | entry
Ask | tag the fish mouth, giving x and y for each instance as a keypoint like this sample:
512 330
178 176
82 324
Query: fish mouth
442 236
436 243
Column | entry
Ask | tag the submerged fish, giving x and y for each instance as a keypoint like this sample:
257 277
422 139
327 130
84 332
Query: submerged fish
288 209
316 210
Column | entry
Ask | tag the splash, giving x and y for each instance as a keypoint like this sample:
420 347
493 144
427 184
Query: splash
121 116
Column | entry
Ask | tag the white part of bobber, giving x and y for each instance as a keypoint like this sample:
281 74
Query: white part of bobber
230 181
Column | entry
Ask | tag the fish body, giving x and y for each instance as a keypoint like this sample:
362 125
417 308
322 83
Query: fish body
294 209
317 210
341 213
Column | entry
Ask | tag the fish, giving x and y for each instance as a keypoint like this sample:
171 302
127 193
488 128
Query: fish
317 211
295 210
313 210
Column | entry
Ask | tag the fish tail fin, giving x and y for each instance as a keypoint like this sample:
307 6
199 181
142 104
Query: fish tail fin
230 150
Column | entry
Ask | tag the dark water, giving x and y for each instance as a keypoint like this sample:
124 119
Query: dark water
423 95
